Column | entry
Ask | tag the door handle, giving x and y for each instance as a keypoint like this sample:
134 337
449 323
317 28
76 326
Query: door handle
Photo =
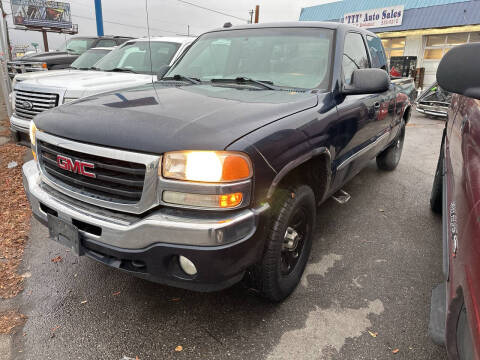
376 106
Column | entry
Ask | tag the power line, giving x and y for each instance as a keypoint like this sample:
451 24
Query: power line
212 10
127 25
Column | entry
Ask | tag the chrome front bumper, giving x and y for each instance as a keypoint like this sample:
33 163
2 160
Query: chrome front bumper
433 111
164 225
21 125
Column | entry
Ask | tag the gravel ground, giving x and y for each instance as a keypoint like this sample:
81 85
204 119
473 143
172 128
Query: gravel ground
373 265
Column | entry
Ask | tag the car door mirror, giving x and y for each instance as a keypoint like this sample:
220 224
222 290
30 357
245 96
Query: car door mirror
458 70
368 81
162 71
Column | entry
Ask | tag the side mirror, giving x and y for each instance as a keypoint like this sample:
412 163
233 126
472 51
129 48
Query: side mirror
368 81
458 70
163 70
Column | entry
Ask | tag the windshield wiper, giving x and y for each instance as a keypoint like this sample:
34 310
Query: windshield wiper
122 70
72 51
179 77
244 80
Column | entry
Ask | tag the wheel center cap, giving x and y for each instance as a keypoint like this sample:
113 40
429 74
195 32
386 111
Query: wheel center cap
291 239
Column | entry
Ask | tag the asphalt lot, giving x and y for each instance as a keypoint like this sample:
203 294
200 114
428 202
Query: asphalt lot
373 265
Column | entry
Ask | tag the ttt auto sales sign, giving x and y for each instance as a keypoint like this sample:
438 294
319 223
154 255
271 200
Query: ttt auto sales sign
376 18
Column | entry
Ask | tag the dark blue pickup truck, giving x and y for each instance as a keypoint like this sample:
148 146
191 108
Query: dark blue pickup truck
213 173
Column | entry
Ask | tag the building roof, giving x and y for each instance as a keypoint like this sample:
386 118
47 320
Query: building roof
422 14
336 10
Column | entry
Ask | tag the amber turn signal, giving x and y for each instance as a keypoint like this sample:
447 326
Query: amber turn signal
230 200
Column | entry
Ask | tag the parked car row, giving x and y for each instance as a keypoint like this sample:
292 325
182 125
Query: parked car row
97 70
63 57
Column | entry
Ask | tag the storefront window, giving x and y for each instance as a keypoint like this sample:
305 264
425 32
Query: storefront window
436 40
438 45
474 37
394 46
457 39
433 54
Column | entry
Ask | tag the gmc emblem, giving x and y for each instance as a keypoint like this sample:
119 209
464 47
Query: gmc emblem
77 166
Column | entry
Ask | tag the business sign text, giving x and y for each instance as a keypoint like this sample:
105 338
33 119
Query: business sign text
376 18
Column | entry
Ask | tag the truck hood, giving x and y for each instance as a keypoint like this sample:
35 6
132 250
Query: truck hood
82 83
42 74
156 118
47 56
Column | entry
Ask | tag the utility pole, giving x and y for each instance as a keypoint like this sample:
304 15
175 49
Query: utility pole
257 13
251 12
45 41
5 84
4 18
99 17
188 30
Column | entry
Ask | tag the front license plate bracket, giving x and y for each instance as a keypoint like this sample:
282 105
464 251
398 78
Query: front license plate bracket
64 233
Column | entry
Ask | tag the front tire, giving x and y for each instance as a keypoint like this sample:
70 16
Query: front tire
288 243
389 158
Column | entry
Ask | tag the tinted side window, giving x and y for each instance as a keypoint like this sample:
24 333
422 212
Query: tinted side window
377 53
354 56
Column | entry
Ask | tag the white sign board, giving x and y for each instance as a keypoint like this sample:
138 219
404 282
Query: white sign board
375 18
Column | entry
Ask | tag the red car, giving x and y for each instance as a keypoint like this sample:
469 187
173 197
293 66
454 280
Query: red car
455 310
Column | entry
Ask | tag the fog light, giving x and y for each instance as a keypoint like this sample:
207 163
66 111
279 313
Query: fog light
187 266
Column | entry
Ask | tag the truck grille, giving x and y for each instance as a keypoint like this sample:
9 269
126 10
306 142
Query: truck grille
114 180
30 103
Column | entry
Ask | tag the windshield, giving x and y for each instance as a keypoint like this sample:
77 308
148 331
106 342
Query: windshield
135 57
76 45
288 57
89 58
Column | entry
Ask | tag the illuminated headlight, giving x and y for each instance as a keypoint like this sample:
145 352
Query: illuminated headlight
215 167
68 99
33 134
206 166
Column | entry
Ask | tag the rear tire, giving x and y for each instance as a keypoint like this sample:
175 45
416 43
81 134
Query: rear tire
288 243
389 158
437 187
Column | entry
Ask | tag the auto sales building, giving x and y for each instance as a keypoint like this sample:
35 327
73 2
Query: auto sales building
426 29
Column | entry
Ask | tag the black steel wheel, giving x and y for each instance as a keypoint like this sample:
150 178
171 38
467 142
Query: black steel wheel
288 243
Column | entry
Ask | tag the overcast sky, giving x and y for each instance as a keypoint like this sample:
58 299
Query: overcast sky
167 17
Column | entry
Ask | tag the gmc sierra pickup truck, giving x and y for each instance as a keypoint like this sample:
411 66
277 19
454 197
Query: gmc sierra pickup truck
213 173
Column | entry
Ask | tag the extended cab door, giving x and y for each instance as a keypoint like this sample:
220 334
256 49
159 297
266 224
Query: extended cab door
364 119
